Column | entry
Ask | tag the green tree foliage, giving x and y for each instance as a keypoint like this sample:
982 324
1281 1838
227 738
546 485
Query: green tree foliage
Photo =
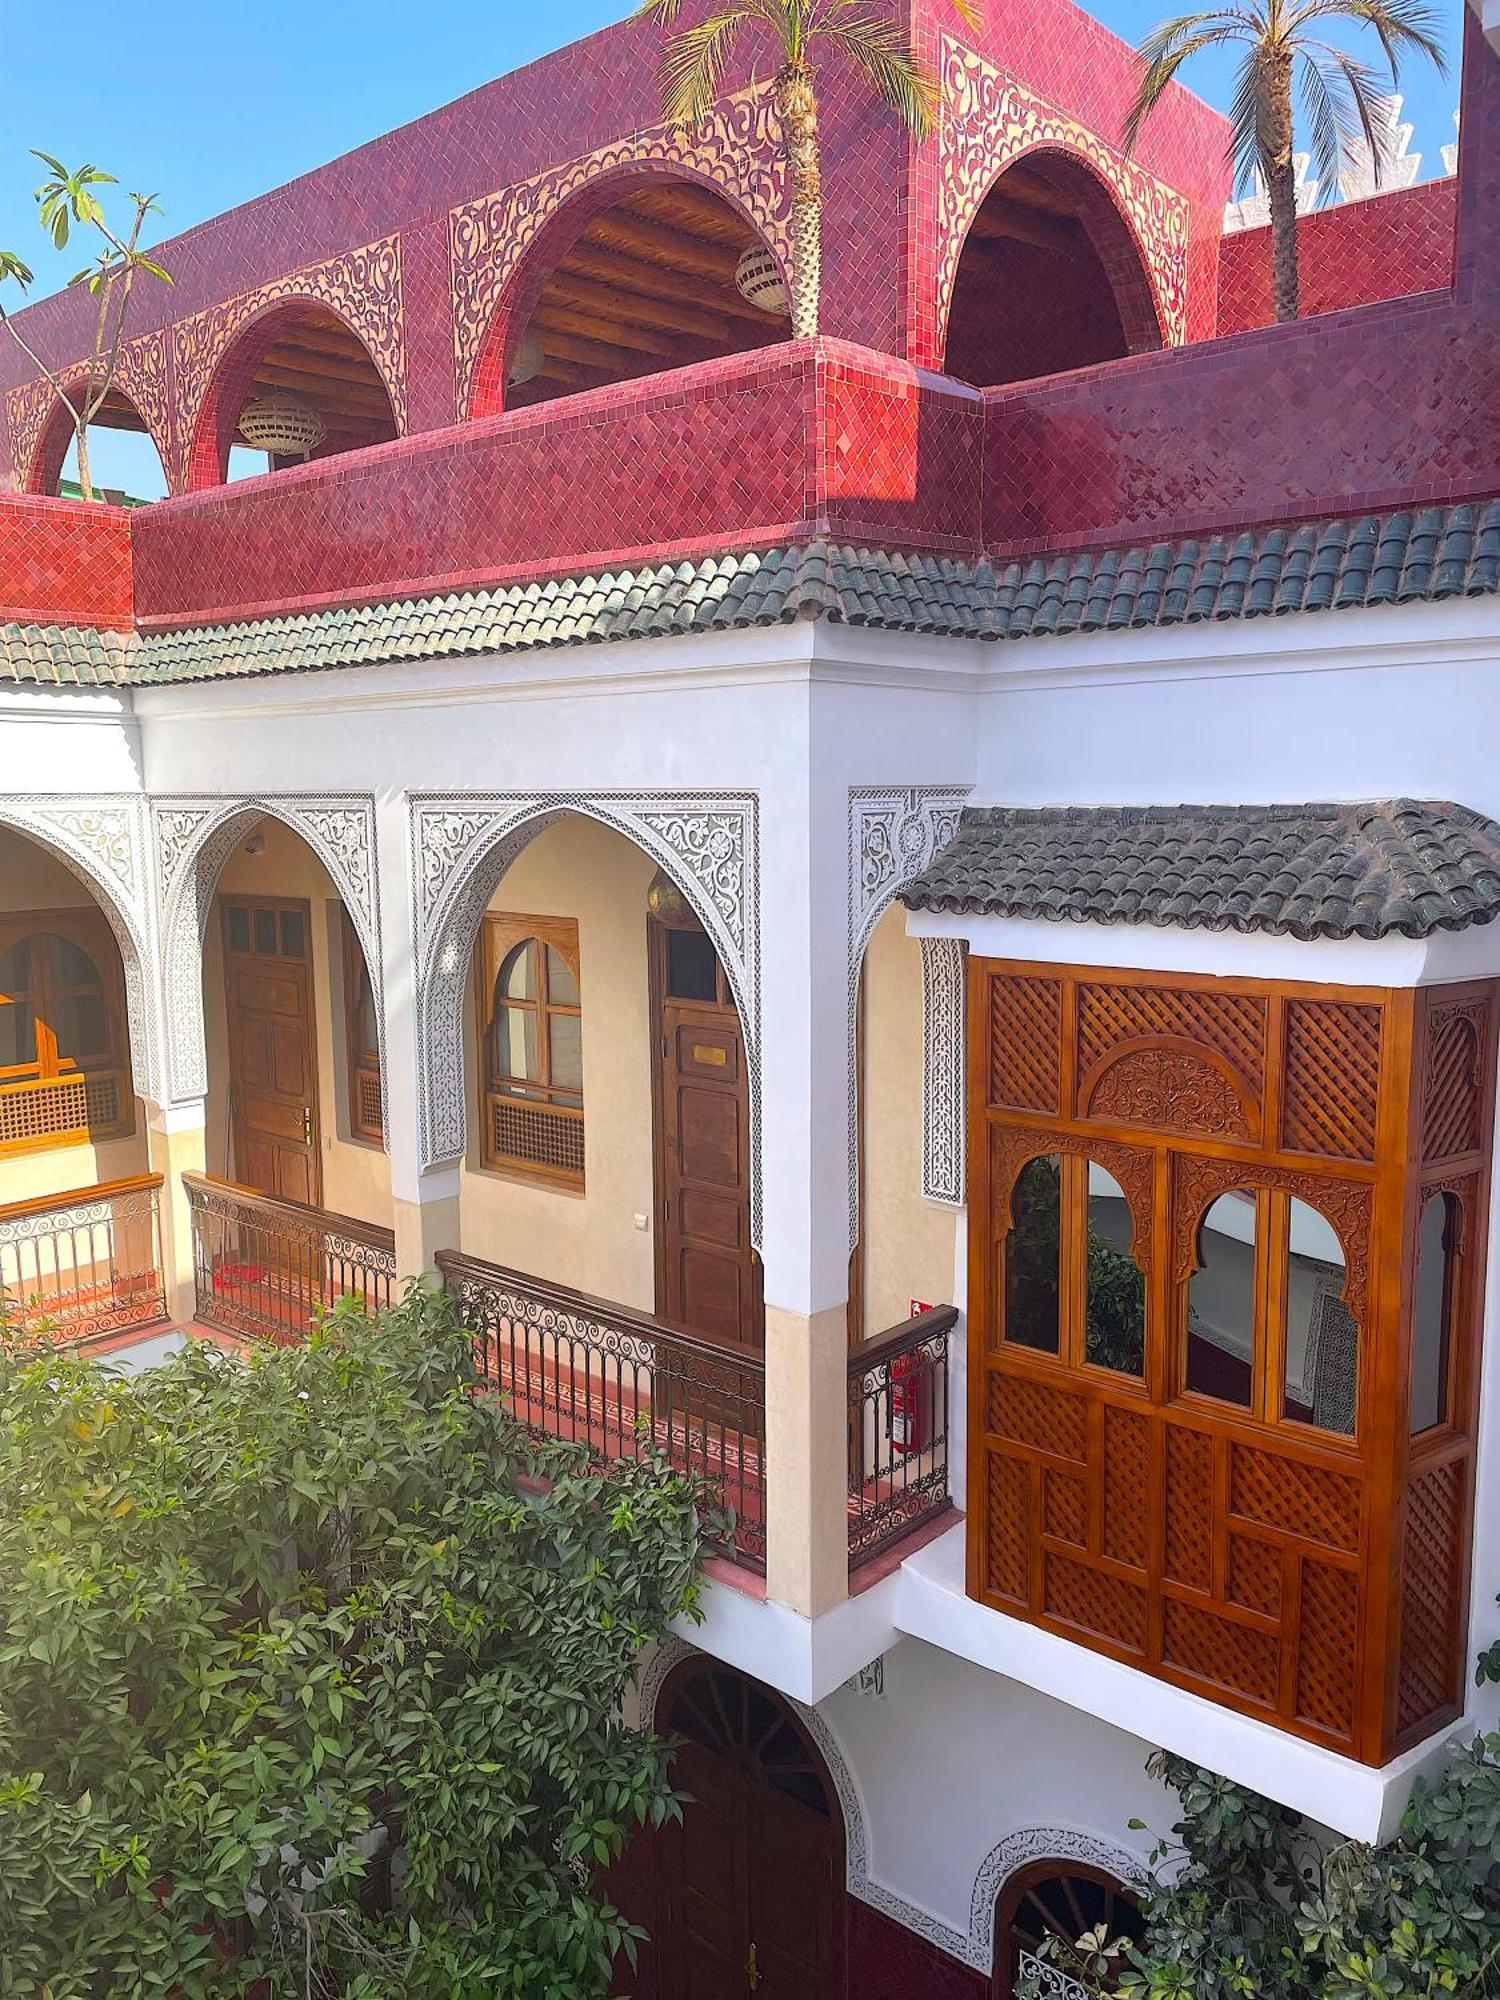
310 1673
1245 1902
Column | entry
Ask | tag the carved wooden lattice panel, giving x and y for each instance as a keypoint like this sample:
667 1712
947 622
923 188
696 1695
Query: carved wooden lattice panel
1331 1079
1008 1537
1308 1501
1453 1088
1190 1493
1065 1508
1222 1651
1025 1043
1031 1413
1079 1595
1125 1495
1232 1025
1429 1588
1254 1580
1328 1639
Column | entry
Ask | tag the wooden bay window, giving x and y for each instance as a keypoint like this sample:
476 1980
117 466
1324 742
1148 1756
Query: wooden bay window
64 1053
1226 1243
531 1048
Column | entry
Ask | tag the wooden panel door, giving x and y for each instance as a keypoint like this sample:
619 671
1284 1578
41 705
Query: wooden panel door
705 1877
708 1276
273 1073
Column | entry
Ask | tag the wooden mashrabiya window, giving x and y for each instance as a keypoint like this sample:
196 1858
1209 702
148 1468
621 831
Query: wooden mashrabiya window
64 1053
1227 1242
531 1042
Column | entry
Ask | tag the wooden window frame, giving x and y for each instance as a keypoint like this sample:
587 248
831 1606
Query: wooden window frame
362 1066
89 932
1072 1276
501 932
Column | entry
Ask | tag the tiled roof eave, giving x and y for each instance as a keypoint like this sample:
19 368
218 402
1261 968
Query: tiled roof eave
1305 933
1403 557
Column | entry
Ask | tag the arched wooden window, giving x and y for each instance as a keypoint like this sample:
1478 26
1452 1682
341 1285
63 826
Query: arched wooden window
532 1048
1033 1257
1223 1300
1073 1287
1061 1899
1114 1333
64 1067
1433 1312
361 1041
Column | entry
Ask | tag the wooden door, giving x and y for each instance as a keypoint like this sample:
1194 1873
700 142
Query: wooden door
708 1276
273 1072
751 1898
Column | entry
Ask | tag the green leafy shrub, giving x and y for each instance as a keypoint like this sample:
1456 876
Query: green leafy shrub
310 1671
1245 1903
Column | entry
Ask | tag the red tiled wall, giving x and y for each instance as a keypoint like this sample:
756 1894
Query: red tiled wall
1022 312
64 563
735 452
889 1962
1384 248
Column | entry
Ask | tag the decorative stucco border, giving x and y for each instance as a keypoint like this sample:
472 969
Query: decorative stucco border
894 831
1017 1849
989 121
193 835
462 843
734 148
944 1069
102 838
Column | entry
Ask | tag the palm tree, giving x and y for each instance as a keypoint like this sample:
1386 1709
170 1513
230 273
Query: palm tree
1281 44
694 66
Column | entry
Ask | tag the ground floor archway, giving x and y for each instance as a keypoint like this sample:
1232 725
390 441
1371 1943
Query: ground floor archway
745 1896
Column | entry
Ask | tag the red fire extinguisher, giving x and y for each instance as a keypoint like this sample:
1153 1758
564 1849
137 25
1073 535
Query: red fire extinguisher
911 1398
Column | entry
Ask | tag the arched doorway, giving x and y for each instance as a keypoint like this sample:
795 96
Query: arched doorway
1061 1899
746 1895
297 384
663 275
1050 278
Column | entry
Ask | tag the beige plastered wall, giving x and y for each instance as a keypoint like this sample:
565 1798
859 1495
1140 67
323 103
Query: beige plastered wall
909 1242
356 1175
591 1241
32 879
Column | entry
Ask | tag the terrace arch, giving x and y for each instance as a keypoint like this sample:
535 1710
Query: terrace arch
1052 275
120 411
631 273
305 348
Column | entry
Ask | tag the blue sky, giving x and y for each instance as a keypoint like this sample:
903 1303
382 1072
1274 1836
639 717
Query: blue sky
210 104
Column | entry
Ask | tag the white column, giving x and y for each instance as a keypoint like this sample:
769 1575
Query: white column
175 1146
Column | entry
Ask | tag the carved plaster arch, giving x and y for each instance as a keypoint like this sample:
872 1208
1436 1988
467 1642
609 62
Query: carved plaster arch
194 836
102 840
363 287
990 120
462 844
1020 1849
735 151
894 832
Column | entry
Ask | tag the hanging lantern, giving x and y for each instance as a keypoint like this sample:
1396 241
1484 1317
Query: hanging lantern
757 277
281 425
526 362
668 905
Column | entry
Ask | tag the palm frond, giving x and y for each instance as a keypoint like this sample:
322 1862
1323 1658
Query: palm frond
1165 51
1328 127
1353 86
663 12
877 45
1249 138
1404 27
693 66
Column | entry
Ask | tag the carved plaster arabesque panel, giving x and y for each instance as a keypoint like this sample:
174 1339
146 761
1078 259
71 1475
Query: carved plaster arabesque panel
462 844
989 121
362 286
894 831
193 837
140 370
735 147
943 1070
102 840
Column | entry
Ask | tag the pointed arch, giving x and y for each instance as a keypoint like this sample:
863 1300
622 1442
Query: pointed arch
462 844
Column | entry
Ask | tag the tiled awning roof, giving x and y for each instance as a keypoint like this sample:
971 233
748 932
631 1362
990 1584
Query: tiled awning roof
1395 558
1367 870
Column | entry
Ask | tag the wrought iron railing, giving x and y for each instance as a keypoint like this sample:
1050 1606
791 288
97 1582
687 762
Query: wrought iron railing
82 1265
267 1267
898 1432
621 1382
